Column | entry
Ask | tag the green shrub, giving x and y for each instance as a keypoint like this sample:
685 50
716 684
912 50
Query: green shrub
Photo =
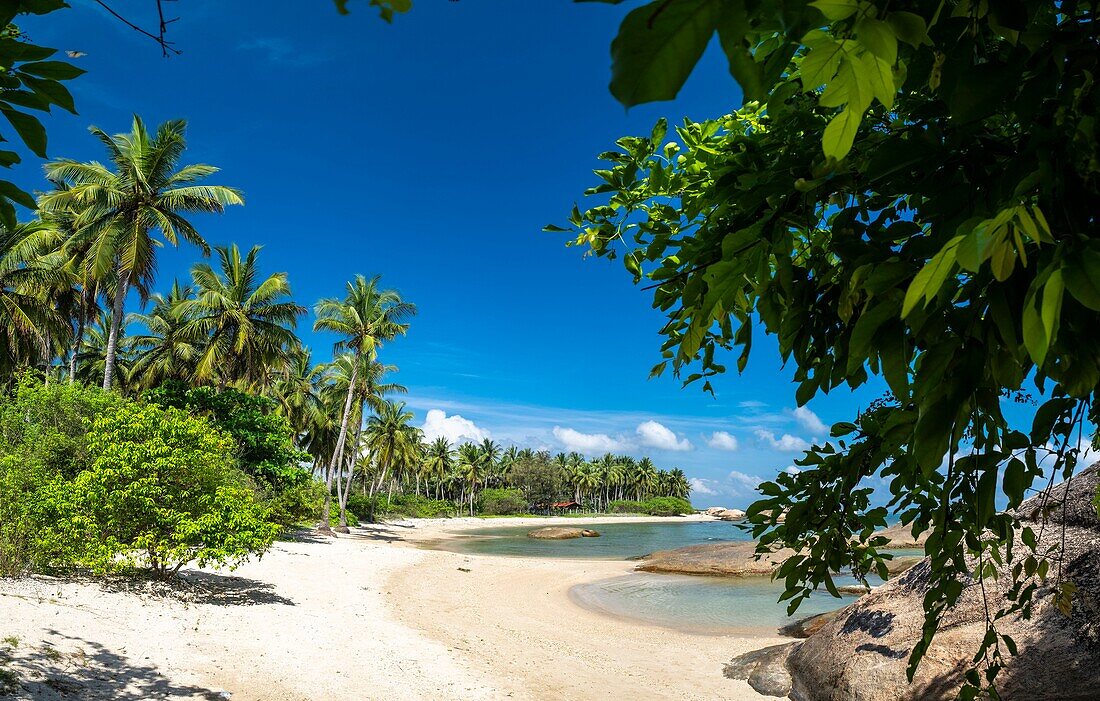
667 506
625 506
161 489
501 502
654 506
265 445
402 506
296 503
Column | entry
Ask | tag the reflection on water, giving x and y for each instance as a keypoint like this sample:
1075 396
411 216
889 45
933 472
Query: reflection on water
617 541
713 605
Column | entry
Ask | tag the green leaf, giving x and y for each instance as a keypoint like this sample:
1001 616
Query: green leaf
910 28
53 70
11 192
821 62
30 130
836 9
1052 304
840 133
1014 482
732 27
879 38
880 76
657 47
1082 278
926 283
53 91
986 496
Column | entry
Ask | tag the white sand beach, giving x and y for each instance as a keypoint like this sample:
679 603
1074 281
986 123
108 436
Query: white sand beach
364 616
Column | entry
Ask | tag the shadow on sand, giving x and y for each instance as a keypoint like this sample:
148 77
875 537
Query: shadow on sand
84 669
195 587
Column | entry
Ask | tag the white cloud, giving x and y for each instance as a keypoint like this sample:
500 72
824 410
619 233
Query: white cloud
587 443
791 470
751 404
722 440
786 443
701 486
659 436
810 421
741 482
455 428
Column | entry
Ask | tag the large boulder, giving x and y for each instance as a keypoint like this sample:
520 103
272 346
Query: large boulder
728 558
861 654
561 533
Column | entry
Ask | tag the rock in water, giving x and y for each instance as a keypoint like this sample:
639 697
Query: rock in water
861 655
589 533
763 669
557 533
728 558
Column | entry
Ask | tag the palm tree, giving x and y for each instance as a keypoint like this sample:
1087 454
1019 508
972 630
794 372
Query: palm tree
296 388
249 322
28 320
366 318
93 354
392 442
171 346
370 391
470 463
118 209
438 461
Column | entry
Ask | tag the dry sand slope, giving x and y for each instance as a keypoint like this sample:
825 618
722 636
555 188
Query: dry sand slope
365 616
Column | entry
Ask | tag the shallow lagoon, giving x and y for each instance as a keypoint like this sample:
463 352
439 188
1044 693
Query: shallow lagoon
617 541
710 605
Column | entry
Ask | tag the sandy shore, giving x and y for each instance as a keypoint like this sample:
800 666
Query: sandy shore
366 616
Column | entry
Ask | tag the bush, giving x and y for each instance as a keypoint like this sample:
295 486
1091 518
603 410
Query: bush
667 506
402 506
625 506
296 503
161 489
654 506
265 440
501 502
42 443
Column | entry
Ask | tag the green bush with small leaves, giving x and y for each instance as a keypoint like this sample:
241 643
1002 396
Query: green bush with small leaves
501 502
161 490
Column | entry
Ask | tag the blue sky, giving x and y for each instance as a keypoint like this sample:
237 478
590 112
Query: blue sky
432 151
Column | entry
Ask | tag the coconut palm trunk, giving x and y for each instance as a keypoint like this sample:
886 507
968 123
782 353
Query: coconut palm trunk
116 326
342 494
78 340
337 454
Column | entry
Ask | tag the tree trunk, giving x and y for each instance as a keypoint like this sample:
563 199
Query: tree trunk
81 320
343 495
338 452
116 324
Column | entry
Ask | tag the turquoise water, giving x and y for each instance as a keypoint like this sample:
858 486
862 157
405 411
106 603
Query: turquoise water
709 605
617 541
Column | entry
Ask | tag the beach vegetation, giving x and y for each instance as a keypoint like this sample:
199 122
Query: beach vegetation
498 501
906 193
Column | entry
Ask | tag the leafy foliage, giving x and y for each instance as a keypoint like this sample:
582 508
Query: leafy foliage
32 80
163 484
498 501
655 506
264 440
905 193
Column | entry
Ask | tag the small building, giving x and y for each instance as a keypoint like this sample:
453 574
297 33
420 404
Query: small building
565 506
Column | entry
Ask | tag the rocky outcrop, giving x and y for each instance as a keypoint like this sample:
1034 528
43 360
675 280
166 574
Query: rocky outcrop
725 514
561 533
805 627
764 669
728 558
861 654
735 558
902 537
